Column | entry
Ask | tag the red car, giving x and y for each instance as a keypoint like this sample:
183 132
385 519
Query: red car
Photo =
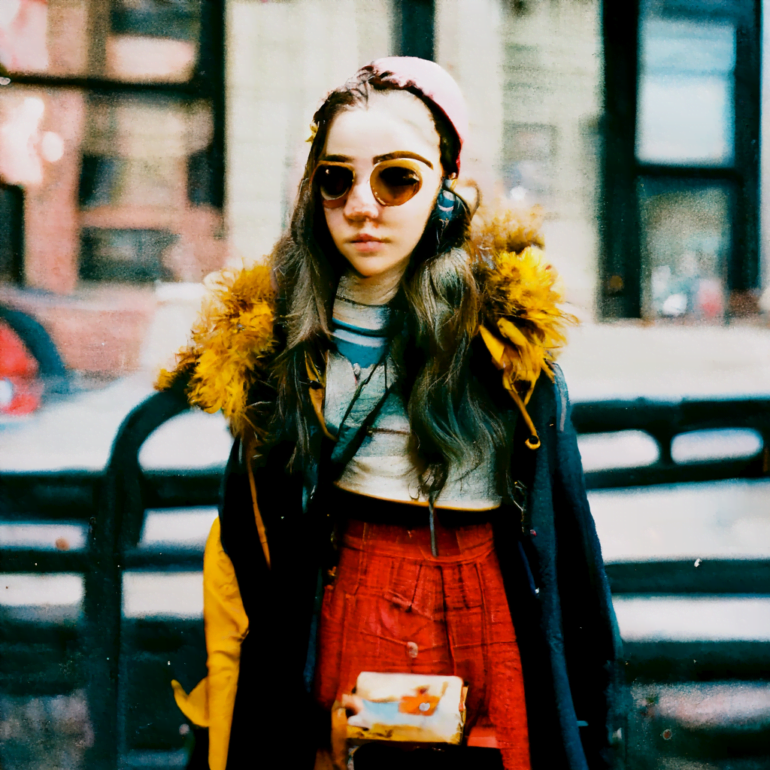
30 364
20 387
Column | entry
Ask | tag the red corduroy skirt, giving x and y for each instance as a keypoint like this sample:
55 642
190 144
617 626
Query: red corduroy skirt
395 608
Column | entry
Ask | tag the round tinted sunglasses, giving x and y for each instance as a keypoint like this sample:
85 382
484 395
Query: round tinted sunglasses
393 182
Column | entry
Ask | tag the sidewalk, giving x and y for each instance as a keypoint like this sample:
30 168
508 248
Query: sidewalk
626 360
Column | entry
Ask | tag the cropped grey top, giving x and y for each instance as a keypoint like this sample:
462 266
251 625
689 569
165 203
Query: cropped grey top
384 465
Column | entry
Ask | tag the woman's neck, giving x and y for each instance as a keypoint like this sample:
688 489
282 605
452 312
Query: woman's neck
371 290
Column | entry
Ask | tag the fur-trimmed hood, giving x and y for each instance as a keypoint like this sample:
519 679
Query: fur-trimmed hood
521 321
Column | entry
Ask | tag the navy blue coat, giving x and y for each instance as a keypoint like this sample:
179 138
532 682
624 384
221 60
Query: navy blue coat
555 581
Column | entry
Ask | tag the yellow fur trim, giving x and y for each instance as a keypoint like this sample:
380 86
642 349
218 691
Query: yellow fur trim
522 296
523 304
232 342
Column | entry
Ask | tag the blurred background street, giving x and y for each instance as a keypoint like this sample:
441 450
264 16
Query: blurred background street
146 143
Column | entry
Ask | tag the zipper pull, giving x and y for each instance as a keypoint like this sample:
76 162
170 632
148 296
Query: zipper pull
432 522
519 499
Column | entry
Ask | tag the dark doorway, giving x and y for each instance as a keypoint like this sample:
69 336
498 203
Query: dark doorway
415 28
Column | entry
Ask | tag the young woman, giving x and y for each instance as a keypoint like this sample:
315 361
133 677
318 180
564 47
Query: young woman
404 494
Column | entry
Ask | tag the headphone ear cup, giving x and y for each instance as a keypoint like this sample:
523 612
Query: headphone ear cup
447 225
451 213
448 205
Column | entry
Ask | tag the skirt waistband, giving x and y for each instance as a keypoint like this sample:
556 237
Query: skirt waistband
403 531
454 544
376 511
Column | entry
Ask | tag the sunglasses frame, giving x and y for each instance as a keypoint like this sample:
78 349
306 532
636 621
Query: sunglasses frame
409 163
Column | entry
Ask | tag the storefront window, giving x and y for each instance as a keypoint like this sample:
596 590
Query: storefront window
686 245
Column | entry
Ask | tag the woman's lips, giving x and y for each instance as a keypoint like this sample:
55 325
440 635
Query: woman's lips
367 244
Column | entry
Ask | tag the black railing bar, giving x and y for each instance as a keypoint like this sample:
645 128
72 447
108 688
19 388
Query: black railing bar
716 562
73 512
636 402
664 475
88 480
184 473
710 589
190 562
31 634
691 577
122 506
645 410
44 562
675 416
72 622
715 596
665 435
92 475
746 659
166 549
68 474
51 481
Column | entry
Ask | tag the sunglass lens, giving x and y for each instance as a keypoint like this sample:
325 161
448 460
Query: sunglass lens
394 185
334 181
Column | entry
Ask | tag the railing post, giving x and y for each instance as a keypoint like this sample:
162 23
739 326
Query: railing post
117 524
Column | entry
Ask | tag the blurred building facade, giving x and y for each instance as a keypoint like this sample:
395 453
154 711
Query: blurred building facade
144 144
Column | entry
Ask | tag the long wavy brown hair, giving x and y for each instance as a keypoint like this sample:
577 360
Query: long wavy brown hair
451 417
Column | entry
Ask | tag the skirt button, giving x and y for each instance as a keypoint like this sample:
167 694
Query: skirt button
412 649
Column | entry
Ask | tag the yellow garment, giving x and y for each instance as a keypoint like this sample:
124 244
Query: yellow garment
212 701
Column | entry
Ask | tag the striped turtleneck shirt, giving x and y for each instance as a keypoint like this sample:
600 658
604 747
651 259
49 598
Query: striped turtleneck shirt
384 466
360 332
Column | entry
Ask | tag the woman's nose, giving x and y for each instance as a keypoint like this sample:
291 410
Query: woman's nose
361 203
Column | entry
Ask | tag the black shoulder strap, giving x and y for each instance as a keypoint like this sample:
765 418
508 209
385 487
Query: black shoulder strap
359 417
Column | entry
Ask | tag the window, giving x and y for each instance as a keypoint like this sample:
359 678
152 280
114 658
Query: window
681 159
113 127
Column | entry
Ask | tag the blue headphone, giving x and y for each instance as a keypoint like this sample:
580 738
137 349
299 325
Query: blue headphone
449 206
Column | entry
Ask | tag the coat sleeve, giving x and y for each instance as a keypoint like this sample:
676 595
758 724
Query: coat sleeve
212 701
592 643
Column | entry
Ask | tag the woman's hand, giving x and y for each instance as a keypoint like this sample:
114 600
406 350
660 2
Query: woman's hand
338 759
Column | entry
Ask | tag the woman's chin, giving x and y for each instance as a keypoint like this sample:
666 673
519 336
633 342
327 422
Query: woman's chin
371 265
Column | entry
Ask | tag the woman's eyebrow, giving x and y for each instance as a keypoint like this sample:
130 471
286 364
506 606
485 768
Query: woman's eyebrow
379 158
403 154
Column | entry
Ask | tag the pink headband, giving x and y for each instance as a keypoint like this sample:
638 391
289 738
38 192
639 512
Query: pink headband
432 81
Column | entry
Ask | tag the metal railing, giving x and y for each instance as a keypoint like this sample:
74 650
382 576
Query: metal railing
125 664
